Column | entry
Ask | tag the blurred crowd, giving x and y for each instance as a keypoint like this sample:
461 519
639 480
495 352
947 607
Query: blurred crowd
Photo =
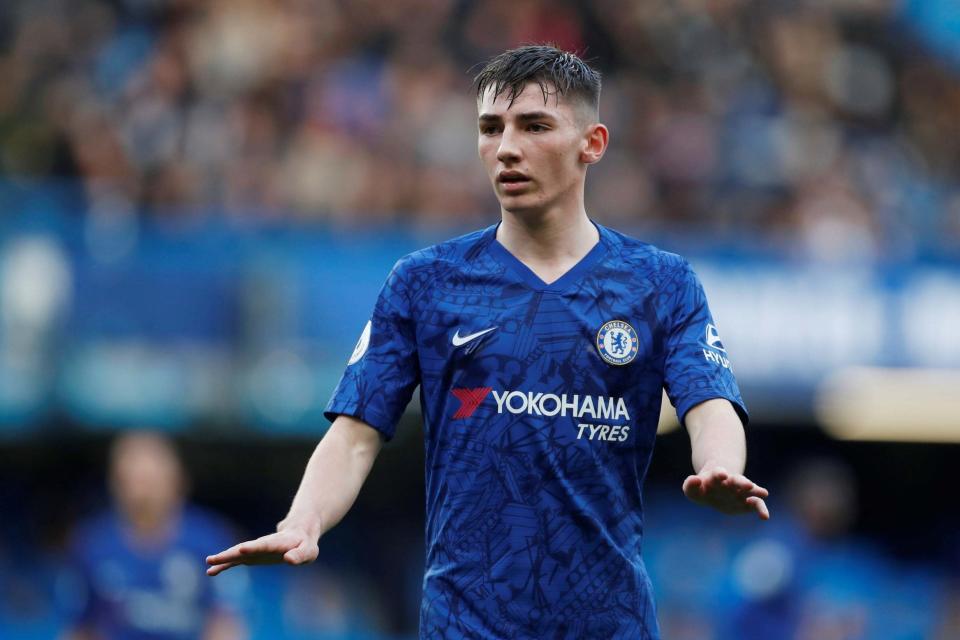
809 576
825 127
134 568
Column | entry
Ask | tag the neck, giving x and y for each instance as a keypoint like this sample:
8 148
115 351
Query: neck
150 526
547 238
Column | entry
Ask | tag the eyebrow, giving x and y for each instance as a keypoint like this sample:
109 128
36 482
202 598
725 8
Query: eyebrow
526 116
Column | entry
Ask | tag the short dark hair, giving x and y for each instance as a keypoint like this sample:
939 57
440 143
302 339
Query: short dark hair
554 70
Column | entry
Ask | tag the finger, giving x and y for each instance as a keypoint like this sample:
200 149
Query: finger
693 487
719 473
220 568
227 555
715 478
739 483
299 555
754 490
760 506
272 543
294 556
744 484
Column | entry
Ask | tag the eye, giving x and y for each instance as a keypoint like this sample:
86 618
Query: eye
536 127
488 130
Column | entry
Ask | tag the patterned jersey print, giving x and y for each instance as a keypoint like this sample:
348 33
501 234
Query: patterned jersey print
540 404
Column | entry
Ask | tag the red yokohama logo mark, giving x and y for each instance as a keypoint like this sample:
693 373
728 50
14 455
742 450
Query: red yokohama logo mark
469 399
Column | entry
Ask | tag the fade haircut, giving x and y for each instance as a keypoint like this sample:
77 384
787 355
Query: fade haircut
554 70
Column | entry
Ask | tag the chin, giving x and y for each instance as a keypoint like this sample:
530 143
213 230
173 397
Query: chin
518 202
523 204
519 209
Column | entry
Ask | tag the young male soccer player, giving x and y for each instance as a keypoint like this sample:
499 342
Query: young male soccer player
541 346
136 567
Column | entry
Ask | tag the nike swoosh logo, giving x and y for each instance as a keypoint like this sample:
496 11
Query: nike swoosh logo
459 342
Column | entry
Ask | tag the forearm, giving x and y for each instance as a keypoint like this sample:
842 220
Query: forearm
719 457
716 437
333 477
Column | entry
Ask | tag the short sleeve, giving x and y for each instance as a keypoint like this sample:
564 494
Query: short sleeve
697 367
383 371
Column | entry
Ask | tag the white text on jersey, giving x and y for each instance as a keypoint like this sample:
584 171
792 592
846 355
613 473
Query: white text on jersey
550 404
716 358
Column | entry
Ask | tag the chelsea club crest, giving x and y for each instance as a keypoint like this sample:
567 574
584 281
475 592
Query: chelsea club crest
617 342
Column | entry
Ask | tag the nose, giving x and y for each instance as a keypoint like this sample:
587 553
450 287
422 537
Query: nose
509 150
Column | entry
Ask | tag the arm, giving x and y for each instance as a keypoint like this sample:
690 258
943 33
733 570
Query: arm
330 484
719 457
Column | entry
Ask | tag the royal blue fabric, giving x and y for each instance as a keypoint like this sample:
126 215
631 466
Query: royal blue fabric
138 590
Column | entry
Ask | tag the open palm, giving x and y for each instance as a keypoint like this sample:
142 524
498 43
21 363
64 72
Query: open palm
291 546
726 492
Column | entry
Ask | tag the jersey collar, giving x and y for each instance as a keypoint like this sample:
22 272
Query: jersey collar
532 280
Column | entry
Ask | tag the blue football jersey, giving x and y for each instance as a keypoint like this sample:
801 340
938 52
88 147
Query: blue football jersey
540 404
130 590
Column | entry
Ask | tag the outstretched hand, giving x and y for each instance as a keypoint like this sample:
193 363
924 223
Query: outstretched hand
726 492
292 546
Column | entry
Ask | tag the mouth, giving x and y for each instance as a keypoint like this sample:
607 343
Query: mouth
511 181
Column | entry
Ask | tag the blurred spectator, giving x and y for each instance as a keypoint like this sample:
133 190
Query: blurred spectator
140 566
334 606
726 116
949 598
811 580
814 579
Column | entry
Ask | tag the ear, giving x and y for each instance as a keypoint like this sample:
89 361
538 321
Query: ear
595 141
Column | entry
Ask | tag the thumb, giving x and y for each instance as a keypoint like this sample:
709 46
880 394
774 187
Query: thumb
693 486
301 554
295 555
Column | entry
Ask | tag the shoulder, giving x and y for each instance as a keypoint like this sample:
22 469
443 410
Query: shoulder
426 264
453 250
645 258
96 532
199 522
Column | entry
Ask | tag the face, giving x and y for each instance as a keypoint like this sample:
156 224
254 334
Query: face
146 477
536 154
